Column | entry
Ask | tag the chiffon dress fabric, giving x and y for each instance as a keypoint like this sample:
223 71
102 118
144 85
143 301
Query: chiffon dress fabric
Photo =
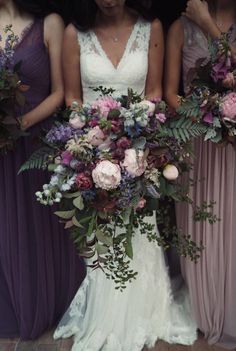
100 317
39 268
211 281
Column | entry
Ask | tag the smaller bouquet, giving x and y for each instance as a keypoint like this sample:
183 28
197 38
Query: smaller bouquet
10 93
211 98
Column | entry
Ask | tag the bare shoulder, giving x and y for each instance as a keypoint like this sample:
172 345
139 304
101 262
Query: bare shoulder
71 32
156 26
53 22
177 27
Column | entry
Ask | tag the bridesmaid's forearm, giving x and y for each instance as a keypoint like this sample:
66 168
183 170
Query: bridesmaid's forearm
211 29
43 110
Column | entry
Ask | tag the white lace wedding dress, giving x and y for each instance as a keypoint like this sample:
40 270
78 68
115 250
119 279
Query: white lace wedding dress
100 317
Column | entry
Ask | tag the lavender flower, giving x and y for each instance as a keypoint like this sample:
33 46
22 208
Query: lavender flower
59 133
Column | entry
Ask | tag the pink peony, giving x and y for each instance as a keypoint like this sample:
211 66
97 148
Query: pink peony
96 136
83 181
75 121
123 143
228 107
161 117
105 105
134 162
107 175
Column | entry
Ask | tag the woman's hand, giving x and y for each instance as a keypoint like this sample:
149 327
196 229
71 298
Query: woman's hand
198 12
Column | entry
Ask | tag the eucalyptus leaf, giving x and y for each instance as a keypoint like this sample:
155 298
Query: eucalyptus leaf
65 214
79 203
103 238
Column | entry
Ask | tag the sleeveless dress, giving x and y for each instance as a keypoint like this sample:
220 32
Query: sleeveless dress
39 269
100 317
212 280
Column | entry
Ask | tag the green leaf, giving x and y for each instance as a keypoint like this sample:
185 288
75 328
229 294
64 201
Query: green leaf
129 249
38 159
76 222
103 238
101 249
65 214
72 195
79 203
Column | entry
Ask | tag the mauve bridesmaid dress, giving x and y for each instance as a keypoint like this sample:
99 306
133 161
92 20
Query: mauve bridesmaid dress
39 268
211 281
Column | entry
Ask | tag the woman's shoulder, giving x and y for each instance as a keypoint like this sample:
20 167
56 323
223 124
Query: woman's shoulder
53 21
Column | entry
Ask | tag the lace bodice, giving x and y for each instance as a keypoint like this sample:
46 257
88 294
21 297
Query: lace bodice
97 69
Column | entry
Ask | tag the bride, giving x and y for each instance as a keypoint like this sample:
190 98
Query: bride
112 44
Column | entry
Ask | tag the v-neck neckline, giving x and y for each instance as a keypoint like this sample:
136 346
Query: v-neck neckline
23 35
126 48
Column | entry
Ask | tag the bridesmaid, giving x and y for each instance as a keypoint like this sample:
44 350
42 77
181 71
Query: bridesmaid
39 269
212 280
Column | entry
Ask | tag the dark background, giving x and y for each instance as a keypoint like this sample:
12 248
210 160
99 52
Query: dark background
166 10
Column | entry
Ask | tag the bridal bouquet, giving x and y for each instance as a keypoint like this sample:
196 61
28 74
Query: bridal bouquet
10 93
111 162
212 97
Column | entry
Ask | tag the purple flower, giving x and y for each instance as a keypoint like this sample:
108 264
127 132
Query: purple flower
208 118
219 71
59 133
66 158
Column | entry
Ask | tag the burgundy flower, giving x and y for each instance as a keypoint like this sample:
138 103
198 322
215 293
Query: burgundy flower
208 118
123 143
84 181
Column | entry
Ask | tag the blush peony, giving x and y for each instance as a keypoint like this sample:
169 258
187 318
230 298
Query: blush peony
134 163
96 136
228 107
106 175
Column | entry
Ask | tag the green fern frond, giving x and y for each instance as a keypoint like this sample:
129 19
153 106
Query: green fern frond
38 159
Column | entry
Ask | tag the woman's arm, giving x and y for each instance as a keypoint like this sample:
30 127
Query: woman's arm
53 34
71 66
153 87
175 41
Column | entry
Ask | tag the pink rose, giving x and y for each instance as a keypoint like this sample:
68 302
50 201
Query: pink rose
160 117
134 162
105 105
141 204
107 175
96 136
123 143
75 121
83 181
228 107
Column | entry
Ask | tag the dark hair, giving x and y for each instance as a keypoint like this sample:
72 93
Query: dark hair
83 13
38 8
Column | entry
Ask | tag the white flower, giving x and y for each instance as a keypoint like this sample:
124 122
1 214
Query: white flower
148 105
170 172
107 175
135 162
76 121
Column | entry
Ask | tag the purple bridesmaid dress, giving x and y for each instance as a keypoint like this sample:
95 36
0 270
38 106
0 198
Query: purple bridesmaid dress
39 268
211 281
